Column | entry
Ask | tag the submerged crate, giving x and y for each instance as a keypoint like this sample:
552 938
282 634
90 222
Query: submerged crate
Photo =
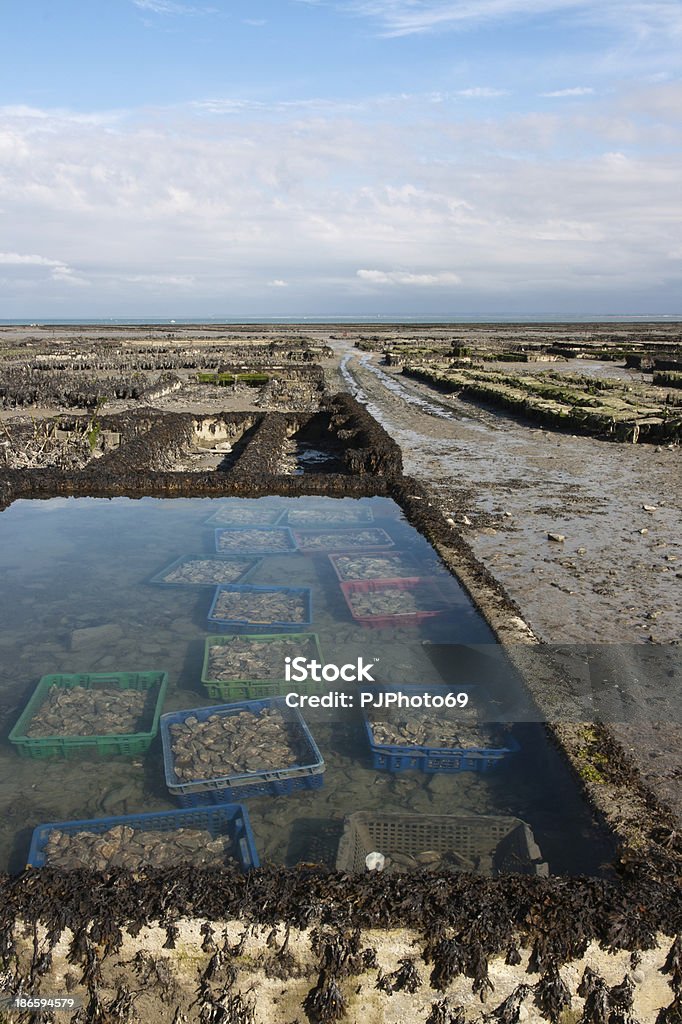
388 566
222 568
245 515
225 820
412 757
255 540
128 744
423 590
246 688
332 517
282 782
498 845
255 626
323 541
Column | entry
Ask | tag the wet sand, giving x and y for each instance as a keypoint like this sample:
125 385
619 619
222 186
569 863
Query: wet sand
506 484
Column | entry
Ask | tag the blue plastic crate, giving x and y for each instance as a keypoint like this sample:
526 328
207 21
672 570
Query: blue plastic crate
280 782
411 757
226 819
248 625
284 531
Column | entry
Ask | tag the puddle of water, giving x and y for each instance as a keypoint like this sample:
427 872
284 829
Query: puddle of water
68 565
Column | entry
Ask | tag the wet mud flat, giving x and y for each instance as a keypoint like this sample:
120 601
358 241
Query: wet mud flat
507 488
473 924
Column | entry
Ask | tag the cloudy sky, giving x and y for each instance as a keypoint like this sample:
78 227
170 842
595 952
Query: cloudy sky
340 157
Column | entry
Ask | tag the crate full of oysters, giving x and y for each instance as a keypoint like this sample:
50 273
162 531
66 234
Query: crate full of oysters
261 609
200 837
91 714
433 740
215 755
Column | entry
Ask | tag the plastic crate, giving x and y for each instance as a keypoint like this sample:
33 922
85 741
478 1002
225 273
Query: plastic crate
236 516
400 557
347 516
284 531
251 564
265 627
507 842
426 586
280 782
412 757
227 819
248 689
128 744
341 540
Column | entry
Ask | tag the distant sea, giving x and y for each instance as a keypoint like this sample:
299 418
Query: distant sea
455 318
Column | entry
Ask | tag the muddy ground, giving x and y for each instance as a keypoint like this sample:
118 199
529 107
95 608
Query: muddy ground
507 484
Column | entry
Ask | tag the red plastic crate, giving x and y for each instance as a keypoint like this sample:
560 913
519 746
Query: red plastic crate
432 592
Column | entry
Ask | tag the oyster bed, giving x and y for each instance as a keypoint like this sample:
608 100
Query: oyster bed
240 540
246 658
337 540
433 860
80 711
318 517
433 730
126 847
207 571
382 601
259 608
236 743
375 567
233 516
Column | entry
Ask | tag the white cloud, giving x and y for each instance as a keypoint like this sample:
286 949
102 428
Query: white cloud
59 271
14 259
410 17
576 90
403 277
170 7
172 203
481 92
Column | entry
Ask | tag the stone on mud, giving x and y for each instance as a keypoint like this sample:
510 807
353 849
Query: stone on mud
93 636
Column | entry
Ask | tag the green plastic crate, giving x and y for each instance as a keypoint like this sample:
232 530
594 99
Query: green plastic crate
254 689
128 744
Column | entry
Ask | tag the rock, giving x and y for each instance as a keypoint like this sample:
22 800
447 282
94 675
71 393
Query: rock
558 537
644 531
466 520
100 636
582 551
649 508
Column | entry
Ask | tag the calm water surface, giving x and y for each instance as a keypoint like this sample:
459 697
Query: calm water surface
69 564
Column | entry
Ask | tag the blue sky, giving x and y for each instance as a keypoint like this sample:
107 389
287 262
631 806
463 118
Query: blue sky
322 157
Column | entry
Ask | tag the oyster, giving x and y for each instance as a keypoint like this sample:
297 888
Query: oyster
127 847
338 540
248 658
261 606
80 711
234 743
207 571
267 540
375 567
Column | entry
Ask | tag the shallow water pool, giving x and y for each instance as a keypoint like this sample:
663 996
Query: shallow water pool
77 597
